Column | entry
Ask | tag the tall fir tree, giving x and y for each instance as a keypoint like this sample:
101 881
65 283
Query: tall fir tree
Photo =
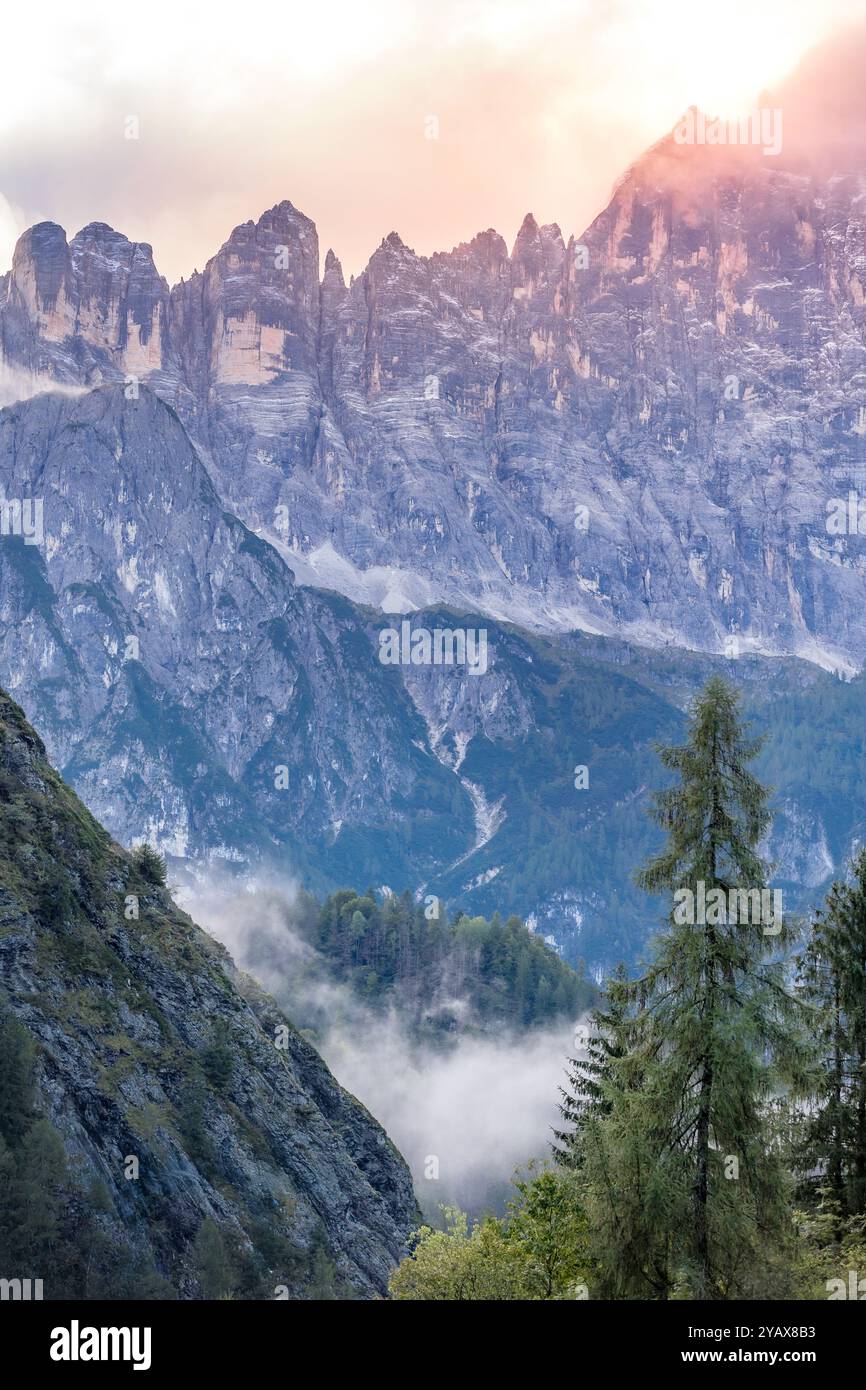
833 980
713 1024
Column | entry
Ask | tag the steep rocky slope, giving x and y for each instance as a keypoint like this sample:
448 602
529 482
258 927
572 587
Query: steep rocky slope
188 688
152 1047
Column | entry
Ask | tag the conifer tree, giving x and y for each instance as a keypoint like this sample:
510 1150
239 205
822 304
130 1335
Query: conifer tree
825 1130
150 864
590 1079
613 1141
713 1021
833 979
628 1172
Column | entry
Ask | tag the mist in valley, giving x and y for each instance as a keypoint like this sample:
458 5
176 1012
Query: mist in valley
465 1112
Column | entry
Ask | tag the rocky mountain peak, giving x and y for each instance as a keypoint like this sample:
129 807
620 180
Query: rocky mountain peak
527 236
537 255
333 272
489 246
40 268
284 212
394 242
259 315
101 289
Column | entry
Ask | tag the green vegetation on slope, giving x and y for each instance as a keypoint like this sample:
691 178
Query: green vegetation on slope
439 972
163 1130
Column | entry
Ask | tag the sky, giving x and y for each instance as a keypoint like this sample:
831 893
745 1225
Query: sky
176 121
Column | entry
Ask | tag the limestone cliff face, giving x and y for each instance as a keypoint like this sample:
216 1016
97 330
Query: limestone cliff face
124 1009
79 313
638 432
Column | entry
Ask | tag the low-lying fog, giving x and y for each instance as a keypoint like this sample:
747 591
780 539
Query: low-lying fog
464 1117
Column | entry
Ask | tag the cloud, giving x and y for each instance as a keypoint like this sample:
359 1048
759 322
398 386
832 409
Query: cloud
12 223
464 1119
464 1116
16 384
535 107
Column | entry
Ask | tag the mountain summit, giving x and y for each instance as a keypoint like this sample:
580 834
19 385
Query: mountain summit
642 432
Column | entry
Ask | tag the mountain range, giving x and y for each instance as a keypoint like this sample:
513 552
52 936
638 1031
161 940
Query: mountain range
619 455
